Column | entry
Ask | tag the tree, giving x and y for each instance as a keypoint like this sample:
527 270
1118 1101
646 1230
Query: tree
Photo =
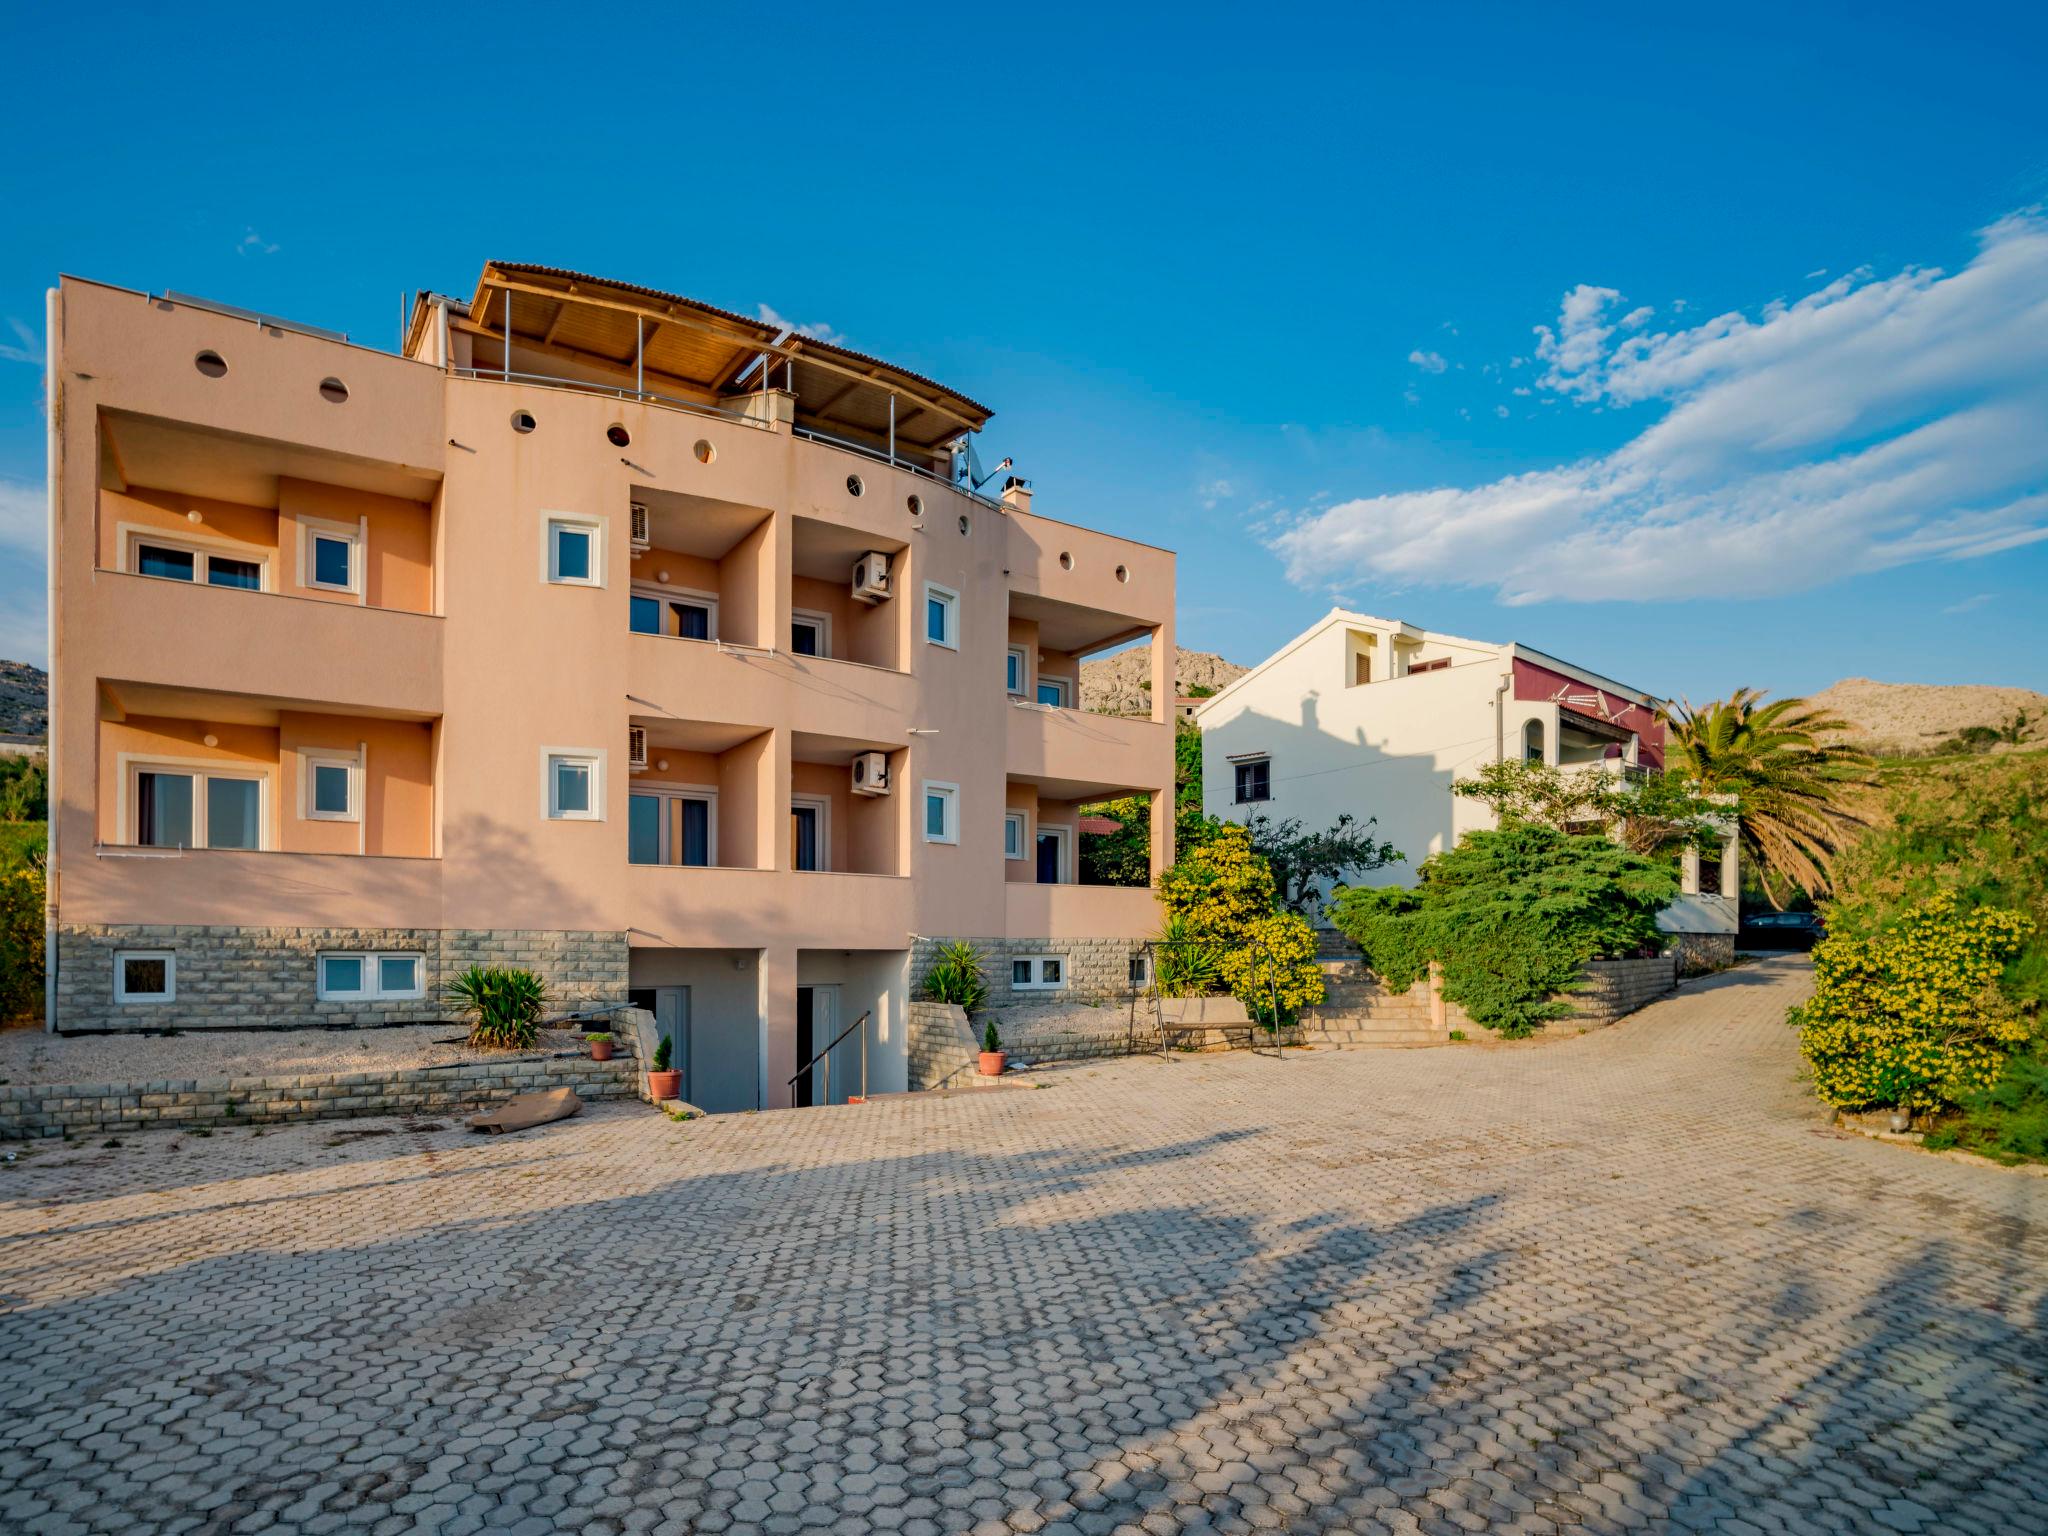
1122 857
1649 813
24 789
1796 796
1190 827
1221 896
1301 861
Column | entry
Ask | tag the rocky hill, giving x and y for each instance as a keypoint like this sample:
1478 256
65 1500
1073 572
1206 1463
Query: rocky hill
1121 684
1902 718
24 701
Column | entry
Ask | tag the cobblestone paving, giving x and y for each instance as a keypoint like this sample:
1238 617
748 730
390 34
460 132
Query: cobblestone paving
1621 1282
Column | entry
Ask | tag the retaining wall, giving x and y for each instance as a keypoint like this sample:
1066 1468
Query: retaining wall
31 1110
1098 970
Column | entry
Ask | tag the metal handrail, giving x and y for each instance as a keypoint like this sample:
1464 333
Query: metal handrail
1158 998
826 1056
899 462
616 391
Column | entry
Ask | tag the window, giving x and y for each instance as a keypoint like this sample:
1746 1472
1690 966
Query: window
942 616
809 833
1054 865
174 560
1254 780
646 619
328 556
1141 969
368 977
676 827
1428 666
1361 669
1054 691
196 807
145 976
572 554
810 634
674 611
941 812
1532 741
1015 670
574 785
1013 835
1039 973
329 786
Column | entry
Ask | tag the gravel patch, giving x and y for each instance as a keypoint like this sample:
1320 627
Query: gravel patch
31 1056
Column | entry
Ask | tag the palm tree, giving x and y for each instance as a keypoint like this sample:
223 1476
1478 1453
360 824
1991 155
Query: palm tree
1797 794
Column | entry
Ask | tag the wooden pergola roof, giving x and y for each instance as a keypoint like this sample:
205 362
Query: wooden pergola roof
597 321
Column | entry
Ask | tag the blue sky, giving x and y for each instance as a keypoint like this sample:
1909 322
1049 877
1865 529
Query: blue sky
1251 284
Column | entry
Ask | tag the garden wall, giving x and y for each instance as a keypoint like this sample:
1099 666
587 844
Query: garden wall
32 1110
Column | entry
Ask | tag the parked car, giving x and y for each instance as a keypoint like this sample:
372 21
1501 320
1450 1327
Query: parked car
1780 930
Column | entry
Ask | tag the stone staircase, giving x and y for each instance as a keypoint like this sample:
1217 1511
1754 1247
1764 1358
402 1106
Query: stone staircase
1358 1011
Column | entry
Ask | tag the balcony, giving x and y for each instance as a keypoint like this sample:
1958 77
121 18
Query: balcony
1075 755
701 800
743 908
675 679
833 830
827 620
707 572
1081 912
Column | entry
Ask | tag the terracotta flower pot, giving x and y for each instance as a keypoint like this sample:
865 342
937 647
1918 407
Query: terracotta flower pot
992 1063
600 1050
665 1085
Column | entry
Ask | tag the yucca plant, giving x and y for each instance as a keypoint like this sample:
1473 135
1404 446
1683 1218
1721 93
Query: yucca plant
955 977
1183 966
1798 796
504 1006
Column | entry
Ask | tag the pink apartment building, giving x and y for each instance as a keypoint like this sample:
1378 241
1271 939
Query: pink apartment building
601 631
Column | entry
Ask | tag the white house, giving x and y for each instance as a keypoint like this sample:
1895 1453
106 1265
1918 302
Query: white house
1379 718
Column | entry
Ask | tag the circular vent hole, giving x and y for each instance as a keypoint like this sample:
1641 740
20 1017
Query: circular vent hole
704 451
212 364
964 525
522 421
1066 561
333 391
916 505
1123 573
854 486
617 436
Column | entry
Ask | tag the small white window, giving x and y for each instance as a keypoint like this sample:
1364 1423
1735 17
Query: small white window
941 812
1016 670
574 785
352 977
145 976
810 634
196 561
574 553
1141 970
330 786
1013 835
1054 692
942 616
330 556
1039 973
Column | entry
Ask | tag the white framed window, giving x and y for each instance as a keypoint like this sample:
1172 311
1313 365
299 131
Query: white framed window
1055 856
1056 692
1141 970
1013 835
672 825
1038 973
942 616
145 976
203 562
330 555
368 976
941 812
810 832
681 613
1254 780
330 785
1016 670
810 632
572 549
188 803
572 783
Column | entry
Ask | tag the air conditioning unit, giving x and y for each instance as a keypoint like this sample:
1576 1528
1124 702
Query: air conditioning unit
871 578
643 534
636 747
871 773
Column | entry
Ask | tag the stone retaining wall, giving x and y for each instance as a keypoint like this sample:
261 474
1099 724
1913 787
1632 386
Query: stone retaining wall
267 976
1098 970
31 1110
940 1044
1699 953
1610 989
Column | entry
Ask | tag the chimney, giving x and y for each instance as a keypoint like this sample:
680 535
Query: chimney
1017 494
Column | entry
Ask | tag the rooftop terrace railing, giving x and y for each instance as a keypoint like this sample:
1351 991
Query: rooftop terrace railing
616 392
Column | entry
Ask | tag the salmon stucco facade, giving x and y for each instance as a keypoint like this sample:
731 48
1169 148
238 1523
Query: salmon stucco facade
599 631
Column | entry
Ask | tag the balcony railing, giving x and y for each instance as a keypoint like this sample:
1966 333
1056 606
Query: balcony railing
897 461
615 392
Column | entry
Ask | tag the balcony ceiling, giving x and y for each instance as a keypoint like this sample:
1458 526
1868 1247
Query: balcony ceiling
693 735
1070 627
695 525
227 466
838 751
826 551
690 347
119 700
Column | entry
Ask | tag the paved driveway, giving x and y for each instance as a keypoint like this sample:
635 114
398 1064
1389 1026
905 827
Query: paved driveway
1624 1281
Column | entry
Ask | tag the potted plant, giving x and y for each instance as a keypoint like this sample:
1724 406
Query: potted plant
600 1043
992 1056
664 1082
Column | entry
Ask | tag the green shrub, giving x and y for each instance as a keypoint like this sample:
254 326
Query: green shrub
2007 1121
1183 965
955 977
1914 1016
1512 916
662 1054
1223 895
990 1040
22 891
504 1006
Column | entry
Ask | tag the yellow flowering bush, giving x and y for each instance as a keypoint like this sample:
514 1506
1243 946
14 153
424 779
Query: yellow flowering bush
21 941
1222 894
1914 1016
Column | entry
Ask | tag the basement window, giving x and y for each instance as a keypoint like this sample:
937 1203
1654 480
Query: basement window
1038 973
369 977
145 976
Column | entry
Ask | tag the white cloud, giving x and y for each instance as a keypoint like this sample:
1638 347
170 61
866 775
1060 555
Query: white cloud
816 330
24 517
1816 272
31 349
1428 362
1874 423
1501 411
1975 600
1636 318
253 244
1214 491
1412 395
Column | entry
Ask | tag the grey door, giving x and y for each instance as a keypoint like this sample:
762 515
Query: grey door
671 1009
